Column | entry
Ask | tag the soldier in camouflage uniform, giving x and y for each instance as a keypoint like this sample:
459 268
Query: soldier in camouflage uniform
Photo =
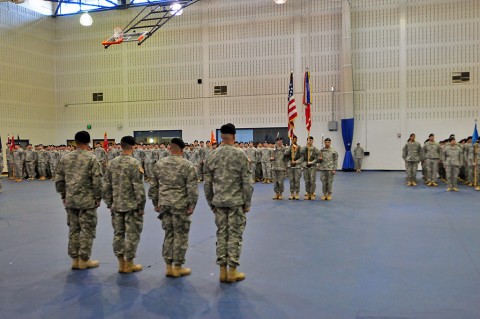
476 150
79 181
101 156
358 154
195 158
228 190
19 162
469 162
412 154
149 159
431 151
328 165
251 153
1 166
266 166
453 160
295 159
30 160
54 158
310 157
124 194
279 168
174 194
42 158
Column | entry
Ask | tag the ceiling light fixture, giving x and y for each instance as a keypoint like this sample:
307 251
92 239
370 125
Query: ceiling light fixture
86 20
176 9
280 1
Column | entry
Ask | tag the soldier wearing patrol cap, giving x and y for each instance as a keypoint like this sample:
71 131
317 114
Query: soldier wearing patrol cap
174 194
79 181
228 190
124 194
328 160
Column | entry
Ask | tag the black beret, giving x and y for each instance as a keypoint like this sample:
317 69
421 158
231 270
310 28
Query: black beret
431 135
178 141
130 140
294 136
328 139
82 137
278 139
228 129
451 138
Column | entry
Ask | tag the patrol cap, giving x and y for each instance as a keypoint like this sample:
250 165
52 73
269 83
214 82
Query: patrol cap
228 129
82 137
451 138
328 139
178 141
129 140
310 138
431 134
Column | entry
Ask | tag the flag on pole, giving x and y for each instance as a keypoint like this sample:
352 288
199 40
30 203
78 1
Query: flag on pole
105 142
12 143
306 101
475 134
212 137
292 108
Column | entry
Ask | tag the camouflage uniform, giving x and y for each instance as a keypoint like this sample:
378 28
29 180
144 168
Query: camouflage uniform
328 164
279 167
431 151
139 155
174 190
124 194
196 161
477 167
101 156
358 154
30 159
228 190
310 172
54 158
79 181
1 167
266 166
9 155
42 160
469 162
251 153
453 160
149 161
412 154
19 162
294 170
258 164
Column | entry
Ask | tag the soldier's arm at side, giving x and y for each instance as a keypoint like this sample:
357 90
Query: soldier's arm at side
192 189
153 190
138 188
246 186
108 189
60 179
96 180
208 187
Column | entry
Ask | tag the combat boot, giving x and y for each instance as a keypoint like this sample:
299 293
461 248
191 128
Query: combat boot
409 183
296 196
223 273
42 178
233 275
324 197
455 189
131 267
329 197
84 264
280 197
312 196
121 264
414 183
74 263
178 271
477 188
264 181
276 196
292 196
434 184
169 270
307 196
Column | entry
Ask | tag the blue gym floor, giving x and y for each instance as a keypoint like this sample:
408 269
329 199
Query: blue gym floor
379 249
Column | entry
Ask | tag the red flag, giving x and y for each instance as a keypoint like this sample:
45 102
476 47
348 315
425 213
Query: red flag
292 108
12 143
212 137
306 101
105 142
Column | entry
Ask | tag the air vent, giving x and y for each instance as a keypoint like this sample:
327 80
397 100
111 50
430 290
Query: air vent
220 90
460 77
97 97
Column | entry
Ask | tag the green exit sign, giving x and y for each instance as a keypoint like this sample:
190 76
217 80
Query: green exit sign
89 126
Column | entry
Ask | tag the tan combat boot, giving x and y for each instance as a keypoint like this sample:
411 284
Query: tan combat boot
312 196
42 178
74 263
178 271
414 183
223 273
131 267
296 196
121 264
84 264
307 196
169 270
477 188
324 197
276 196
455 189
233 275
280 197
329 197
292 196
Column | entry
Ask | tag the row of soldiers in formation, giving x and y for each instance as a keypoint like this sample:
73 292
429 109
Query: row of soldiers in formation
449 160
174 193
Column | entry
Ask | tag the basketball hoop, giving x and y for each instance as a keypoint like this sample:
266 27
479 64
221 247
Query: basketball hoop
119 37
117 33
116 38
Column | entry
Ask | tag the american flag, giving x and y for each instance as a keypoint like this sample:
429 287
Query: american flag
105 142
292 108
306 101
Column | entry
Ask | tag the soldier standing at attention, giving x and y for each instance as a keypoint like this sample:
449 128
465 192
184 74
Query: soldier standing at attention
295 158
42 159
453 160
124 194
251 153
101 156
30 160
358 154
266 167
279 168
19 162
328 165
79 181
228 190
174 194
412 155
431 151
310 156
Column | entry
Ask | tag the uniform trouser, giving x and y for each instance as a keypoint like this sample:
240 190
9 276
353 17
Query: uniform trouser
53 167
267 170
127 227
9 168
253 166
19 169
470 173
294 175
452 175
82 227
176 225
411 170
148 169
30 169
231 222
462 172
327 181
278 181
358 163
478 175
431 169
198 169
42 169
258 170
310 176
441 171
